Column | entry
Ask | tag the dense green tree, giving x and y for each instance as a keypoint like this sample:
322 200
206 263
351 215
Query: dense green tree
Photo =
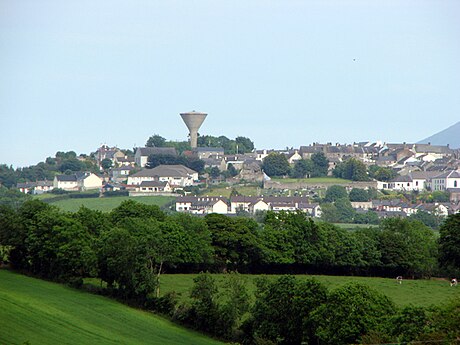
409 246
214 172
71 164
134 209
320 164
155 160
449 243
335 192
282 312
383 174
12 197
231 170
235 241
429 219
355 170
235 305
204 312
345 210
302 168
369 217
329 213
244 144
155 141
351 311
106 163
359 194
276 164
440 196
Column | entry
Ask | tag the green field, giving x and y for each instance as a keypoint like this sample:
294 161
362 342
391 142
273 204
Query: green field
108 203
312 180
41 312
416 292
225 191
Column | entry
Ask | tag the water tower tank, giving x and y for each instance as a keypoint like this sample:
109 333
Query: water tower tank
193 120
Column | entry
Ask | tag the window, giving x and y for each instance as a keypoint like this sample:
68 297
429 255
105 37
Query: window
455 184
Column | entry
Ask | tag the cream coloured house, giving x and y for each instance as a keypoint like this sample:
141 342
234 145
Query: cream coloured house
175 175
78 181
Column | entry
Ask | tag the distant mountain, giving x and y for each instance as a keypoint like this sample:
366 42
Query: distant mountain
449 136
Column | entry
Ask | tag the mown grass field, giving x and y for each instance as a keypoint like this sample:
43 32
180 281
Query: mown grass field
416 292
108 203
41 312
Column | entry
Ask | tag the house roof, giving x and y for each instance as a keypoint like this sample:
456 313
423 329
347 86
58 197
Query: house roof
147 151
166 171
67 178
208 149
153 184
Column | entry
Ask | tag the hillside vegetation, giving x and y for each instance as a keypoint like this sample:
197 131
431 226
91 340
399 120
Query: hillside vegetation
41 312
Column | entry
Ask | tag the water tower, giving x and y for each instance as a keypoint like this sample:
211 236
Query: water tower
193 120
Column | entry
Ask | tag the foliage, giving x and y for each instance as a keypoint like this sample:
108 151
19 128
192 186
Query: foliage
359 194
302 168
449 243
155 141
335 192
276 164
106 163
352 169
320 164
350 312
383 174
409 246
239 145
431 220
282 312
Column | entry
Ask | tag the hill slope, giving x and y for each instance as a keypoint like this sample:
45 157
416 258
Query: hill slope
449 136
46 313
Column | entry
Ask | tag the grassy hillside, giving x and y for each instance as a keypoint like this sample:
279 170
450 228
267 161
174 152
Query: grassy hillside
415 292
108 203
41 312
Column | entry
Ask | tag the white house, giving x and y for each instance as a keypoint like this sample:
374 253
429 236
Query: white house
201 204
448 179
294 157
175 175
147 188
66 182
77 181
121 173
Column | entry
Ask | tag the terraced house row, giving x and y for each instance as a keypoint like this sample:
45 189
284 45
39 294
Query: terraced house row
250 204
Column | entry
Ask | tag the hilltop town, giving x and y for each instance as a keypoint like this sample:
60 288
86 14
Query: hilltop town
378 179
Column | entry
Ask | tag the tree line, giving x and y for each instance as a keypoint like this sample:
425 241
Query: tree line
276 165
130 248
55 244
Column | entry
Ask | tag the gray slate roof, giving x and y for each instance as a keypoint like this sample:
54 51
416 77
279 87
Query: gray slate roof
166 171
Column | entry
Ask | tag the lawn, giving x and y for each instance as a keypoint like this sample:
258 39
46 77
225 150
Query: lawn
312 180
108 203
40 312
416 292
225 191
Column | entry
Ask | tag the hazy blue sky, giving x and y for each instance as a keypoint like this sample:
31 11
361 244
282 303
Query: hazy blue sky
75 74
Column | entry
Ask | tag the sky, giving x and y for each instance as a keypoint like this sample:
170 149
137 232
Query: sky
78 74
